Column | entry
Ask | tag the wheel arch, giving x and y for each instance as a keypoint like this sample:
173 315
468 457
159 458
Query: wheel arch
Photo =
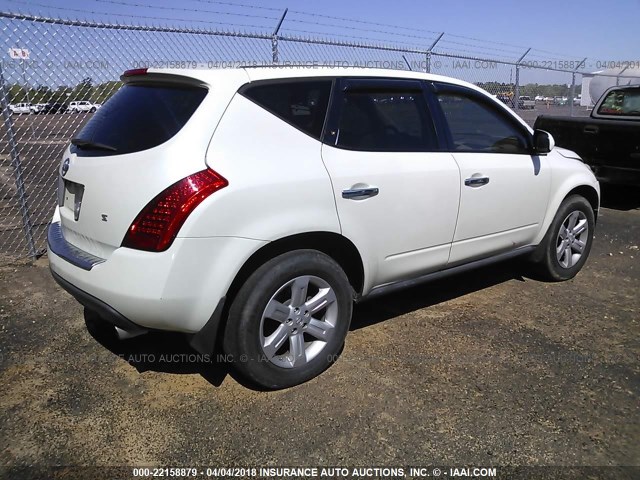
590 194
334 245
581 184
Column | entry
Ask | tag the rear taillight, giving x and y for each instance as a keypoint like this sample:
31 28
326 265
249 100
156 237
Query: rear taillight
158 223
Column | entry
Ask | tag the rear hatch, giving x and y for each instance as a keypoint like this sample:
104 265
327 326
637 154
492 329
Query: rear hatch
138 144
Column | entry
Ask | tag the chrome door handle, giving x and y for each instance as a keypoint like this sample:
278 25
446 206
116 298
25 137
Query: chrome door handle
360 193
476 181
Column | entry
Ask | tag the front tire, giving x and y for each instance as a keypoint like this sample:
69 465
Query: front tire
288 322
566 246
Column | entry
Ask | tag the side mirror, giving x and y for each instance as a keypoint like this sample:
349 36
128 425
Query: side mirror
543 142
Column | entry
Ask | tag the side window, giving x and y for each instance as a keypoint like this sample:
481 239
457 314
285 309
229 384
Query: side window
386 122
477 127
300 103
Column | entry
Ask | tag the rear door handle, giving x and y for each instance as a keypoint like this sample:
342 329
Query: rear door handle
591 129
360 193
476 181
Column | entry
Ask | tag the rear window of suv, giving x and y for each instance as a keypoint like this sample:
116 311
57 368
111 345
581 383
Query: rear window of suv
138 117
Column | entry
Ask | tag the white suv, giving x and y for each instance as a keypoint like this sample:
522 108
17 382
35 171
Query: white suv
83 106
21 108
254 206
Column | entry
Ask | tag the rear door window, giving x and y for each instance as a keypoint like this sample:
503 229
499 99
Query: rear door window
379 120
302 103
138 117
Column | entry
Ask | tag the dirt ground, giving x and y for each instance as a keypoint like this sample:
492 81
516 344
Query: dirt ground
485 368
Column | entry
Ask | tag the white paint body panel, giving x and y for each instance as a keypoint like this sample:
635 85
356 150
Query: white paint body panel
277 184
507 212
408 227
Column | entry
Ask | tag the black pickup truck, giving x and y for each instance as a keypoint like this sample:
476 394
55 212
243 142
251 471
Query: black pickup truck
609 140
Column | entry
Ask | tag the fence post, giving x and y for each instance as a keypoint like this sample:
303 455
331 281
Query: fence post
620 74
427 67
407 62
17 168
572 90
274 38
516 93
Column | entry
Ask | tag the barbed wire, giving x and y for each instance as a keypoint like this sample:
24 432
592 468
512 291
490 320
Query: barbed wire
300 12
215 2
446 41
457 50
319 15
325 35
347 23
145 17
162 7
385 32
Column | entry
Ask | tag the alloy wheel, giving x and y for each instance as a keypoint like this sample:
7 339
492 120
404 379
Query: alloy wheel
298 321
572 239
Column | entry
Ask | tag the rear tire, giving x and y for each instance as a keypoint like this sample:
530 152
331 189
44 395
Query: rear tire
288 322
566 246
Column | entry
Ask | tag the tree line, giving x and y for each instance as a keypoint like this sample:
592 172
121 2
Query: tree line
530 89
85 90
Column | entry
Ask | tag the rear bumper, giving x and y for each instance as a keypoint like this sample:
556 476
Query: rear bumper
175 290
104 311
72 254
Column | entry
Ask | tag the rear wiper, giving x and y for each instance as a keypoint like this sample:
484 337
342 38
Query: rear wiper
82 143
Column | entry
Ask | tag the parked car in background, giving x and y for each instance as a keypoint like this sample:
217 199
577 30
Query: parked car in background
21 108
539 98
54 107
608 140
525 102
37 108
83 106
559 100
355 182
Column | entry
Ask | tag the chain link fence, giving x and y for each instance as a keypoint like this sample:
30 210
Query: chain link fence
54 71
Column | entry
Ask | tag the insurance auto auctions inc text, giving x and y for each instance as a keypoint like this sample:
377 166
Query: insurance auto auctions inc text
365 472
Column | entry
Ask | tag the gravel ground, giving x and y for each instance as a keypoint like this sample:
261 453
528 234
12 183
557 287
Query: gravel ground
486 368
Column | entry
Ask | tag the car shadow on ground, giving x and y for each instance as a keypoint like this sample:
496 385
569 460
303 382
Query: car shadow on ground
171 352
619 197
425 295
167 353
